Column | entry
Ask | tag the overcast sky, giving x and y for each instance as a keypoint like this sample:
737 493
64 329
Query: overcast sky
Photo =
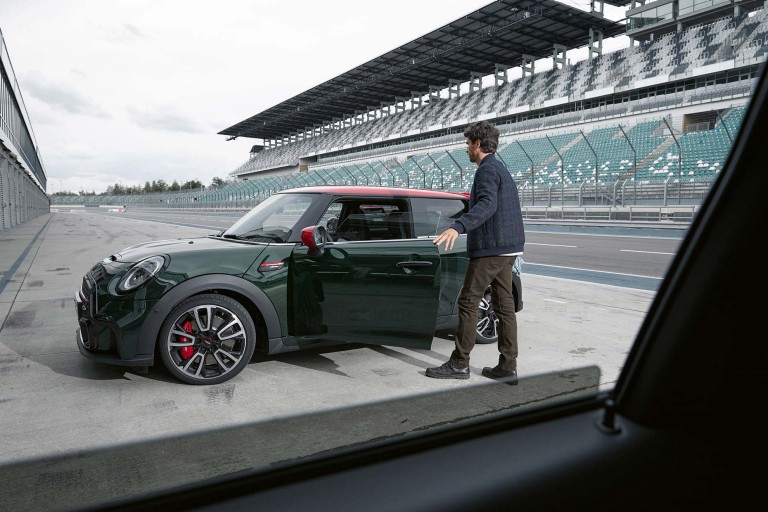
128 91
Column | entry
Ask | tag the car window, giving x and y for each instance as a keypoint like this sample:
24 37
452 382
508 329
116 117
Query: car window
273 220
361 220
433 216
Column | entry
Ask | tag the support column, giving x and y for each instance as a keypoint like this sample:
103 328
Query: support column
400 104
454 90
3 192
500 75
595 43
475 82
385 109
416 99
434 93
559 57
599 10
528 64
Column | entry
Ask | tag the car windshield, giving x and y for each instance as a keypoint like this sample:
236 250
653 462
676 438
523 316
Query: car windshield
223 342
272 220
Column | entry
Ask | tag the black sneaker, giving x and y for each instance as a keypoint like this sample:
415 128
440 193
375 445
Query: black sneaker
498 374
448 371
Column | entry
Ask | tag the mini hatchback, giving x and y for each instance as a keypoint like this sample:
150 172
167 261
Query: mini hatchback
308 266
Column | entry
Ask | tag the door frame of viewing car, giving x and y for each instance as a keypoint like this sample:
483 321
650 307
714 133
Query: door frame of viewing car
382 292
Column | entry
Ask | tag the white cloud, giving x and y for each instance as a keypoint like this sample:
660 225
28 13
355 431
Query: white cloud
61 96
78 150
165 119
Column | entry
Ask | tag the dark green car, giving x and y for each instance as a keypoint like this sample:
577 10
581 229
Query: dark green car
308 266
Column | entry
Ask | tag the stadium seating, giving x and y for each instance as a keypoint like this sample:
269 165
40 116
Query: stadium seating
607 143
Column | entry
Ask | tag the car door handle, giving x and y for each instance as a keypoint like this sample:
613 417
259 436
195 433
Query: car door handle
414 264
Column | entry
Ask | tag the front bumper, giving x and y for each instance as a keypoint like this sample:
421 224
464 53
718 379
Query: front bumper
99 339
110 358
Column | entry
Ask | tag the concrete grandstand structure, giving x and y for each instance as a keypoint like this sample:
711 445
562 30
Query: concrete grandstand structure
651 123
22 175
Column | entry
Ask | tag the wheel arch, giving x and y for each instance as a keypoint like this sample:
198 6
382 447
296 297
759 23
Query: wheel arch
253 299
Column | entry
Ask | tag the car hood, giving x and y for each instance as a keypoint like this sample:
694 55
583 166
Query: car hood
183 246
186 258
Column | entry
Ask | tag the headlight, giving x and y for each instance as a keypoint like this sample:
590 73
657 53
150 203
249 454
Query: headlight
140 273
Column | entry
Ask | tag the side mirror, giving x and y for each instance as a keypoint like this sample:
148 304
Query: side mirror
314 237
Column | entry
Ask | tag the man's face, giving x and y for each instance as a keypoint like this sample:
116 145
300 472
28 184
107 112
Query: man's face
473 148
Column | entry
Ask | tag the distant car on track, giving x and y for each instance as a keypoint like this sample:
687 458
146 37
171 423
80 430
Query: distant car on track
307 266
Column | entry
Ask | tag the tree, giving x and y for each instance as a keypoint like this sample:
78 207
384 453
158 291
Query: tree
217 182
175 186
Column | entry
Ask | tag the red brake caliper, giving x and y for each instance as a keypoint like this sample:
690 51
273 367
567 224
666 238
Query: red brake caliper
186 352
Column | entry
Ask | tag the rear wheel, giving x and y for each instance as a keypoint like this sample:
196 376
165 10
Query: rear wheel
207 339
487 321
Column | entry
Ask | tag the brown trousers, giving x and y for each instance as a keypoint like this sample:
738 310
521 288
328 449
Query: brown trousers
497 272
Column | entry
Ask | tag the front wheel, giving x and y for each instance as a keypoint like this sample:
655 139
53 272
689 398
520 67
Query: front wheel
487 321
207 339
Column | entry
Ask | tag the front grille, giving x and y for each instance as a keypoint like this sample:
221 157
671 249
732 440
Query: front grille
88 293
97 272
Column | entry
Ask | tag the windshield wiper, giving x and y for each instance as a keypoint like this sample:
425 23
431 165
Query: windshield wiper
234 237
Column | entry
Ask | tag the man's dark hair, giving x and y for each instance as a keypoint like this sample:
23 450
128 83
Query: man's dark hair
486 133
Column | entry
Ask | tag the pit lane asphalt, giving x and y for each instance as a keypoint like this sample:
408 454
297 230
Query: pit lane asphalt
53 401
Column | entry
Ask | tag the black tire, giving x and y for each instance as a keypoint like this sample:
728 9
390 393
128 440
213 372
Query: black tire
487 321
207 339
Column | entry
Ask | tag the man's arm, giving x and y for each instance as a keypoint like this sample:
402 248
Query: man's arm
487 183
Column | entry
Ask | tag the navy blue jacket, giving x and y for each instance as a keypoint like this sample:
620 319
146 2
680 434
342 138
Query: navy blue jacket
494 222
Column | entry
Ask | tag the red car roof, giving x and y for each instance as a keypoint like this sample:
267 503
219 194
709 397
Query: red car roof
378 191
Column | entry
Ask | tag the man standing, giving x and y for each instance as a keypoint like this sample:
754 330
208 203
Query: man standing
495 237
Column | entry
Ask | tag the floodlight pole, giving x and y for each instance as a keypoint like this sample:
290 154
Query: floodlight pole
679 163
533 181
594 153
562 172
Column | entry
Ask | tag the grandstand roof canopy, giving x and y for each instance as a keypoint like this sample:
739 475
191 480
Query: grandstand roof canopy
499 33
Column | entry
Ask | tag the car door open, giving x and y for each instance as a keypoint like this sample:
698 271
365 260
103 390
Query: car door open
382 292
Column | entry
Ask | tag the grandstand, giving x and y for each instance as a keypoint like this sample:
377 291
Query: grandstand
650 123
22 175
